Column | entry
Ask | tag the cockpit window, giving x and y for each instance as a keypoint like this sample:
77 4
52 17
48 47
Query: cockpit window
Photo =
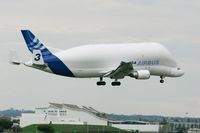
178 68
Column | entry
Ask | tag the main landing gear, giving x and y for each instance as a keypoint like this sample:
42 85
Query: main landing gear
116 83
162 79
101 82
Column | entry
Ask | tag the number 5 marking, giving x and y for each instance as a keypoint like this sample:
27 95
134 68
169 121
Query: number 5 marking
37 58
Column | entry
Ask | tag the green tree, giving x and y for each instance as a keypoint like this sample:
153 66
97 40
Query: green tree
46 128
181 129
5 124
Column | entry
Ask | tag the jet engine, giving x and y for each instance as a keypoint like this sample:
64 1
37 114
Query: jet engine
141 74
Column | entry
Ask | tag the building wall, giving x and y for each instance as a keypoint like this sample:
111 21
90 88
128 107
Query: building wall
86 117
60 116
31 118
194 130
140 128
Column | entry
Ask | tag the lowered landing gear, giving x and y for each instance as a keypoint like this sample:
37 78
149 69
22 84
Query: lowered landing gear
101 82
162 79
116 83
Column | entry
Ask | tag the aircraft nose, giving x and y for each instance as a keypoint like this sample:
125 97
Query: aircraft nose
177 72
180 72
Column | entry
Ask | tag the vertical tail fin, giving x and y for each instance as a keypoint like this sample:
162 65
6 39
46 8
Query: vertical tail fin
41 55
34 44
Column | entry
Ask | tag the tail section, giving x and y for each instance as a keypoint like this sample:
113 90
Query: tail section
38 58
34 44
42 56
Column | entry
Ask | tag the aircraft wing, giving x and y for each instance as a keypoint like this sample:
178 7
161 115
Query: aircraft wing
124 69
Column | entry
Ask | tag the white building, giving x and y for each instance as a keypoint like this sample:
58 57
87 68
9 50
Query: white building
193 130
80 115
138 127
64 114
134 125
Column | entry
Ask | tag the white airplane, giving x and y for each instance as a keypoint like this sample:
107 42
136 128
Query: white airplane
115 61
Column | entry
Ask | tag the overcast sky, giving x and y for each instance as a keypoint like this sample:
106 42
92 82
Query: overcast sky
69 23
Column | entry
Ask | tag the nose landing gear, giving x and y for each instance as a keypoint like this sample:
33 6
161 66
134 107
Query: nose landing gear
162 79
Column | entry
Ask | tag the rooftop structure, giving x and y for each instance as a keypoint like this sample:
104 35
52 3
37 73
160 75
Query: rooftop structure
64 114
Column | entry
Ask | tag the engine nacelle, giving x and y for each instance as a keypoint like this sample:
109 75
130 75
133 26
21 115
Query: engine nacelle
141 74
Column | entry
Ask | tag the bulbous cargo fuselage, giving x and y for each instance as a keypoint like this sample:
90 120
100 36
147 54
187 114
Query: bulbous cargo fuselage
96 60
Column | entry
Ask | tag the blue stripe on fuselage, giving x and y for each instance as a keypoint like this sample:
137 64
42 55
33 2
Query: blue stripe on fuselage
57 66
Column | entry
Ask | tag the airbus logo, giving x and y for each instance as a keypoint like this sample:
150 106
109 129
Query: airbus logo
148 62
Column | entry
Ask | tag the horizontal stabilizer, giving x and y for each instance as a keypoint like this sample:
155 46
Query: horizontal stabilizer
13 58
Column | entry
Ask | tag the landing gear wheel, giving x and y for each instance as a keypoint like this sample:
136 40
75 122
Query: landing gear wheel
162 81
101 83
116 83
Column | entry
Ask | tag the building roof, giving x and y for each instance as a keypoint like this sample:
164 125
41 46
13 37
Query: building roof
71 106
55 105
42 108
89 110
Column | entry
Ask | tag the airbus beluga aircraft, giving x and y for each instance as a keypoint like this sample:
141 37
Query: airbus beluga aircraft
115 61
